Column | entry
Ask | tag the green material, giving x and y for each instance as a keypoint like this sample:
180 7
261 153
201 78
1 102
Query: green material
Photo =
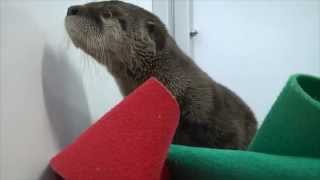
188 163
286 147
293 125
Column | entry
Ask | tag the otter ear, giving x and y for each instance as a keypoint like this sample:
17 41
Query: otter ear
157 34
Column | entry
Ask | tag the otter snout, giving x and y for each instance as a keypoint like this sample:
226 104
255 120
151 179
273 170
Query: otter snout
115 31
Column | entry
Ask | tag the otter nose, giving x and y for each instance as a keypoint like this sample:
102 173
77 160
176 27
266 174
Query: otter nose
73 10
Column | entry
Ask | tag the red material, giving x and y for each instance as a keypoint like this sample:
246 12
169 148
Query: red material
128 143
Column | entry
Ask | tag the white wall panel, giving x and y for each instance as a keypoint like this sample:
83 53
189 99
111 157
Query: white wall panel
50 91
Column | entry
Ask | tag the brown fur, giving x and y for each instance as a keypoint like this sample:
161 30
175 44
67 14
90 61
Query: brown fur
134 44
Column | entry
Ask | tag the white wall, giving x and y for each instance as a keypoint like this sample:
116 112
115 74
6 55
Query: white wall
49 90
253 46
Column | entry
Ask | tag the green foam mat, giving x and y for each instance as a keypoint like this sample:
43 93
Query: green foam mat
286 147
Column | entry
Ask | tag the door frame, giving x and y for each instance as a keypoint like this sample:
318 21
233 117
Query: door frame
178 17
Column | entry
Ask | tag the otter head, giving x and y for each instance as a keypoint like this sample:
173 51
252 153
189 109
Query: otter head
116 33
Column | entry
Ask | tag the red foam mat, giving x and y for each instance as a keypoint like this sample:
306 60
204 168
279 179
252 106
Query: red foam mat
128 143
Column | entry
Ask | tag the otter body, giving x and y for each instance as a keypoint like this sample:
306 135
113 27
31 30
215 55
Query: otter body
133 44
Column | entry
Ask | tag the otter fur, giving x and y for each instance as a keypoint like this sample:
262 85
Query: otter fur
133 44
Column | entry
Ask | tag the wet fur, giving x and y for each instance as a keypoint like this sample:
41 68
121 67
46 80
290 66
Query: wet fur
134 44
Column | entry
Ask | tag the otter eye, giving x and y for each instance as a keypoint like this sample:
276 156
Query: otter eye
123 24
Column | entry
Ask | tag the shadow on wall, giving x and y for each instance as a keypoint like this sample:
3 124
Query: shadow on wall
65 97
48 174
65 101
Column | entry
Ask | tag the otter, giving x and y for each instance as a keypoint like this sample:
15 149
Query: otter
134 45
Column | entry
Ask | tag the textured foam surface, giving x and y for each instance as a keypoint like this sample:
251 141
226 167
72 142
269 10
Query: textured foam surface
128 143
286 147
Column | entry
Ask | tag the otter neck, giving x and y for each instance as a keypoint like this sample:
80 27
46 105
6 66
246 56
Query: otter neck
131 73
